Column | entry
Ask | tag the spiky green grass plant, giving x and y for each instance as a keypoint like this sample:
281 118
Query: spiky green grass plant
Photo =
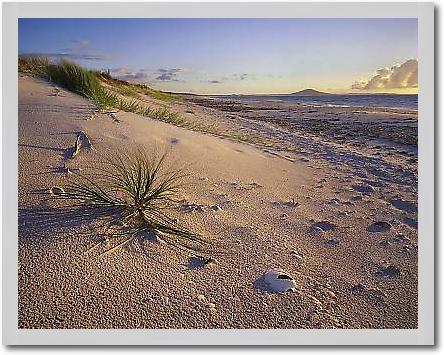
133 89
133 193
160 95
161 114
81 81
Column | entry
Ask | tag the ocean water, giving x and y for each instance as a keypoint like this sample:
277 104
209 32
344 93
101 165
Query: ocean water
409 102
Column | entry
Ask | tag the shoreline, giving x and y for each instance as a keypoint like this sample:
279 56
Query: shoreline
304 101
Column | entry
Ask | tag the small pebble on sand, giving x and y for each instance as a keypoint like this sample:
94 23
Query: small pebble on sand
55 190
201 298
379 227
388 271
297 255
364 189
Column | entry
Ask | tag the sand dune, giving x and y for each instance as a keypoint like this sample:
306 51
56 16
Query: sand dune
326 211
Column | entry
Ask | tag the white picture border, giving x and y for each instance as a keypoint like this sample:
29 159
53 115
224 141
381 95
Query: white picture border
424 335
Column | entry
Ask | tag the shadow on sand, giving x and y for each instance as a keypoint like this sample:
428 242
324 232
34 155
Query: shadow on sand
44 220
97 225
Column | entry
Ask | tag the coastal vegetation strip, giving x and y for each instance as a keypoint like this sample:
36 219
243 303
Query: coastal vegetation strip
89 83
109 93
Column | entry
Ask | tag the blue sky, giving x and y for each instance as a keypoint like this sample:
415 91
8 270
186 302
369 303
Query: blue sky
236 55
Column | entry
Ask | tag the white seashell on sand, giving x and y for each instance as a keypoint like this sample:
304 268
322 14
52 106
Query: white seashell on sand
278 281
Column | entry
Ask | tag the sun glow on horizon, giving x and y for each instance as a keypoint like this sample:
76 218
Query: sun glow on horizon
244 56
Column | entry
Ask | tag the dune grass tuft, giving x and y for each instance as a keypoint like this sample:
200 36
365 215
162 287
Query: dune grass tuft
160 95
134 192
133 89
161 114
33 65
81 81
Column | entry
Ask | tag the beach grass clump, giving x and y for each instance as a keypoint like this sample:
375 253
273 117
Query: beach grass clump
81 81
134 192
34 65
70 76
156 94
161 114
165 115
134 89
127 90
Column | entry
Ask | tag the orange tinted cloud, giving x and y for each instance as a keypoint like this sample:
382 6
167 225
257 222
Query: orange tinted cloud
404 76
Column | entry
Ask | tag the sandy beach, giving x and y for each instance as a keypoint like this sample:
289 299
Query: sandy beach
325 196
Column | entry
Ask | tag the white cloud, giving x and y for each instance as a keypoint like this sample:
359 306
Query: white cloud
125 73
396 77
121 71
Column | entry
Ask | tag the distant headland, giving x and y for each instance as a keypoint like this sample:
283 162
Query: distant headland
310 92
